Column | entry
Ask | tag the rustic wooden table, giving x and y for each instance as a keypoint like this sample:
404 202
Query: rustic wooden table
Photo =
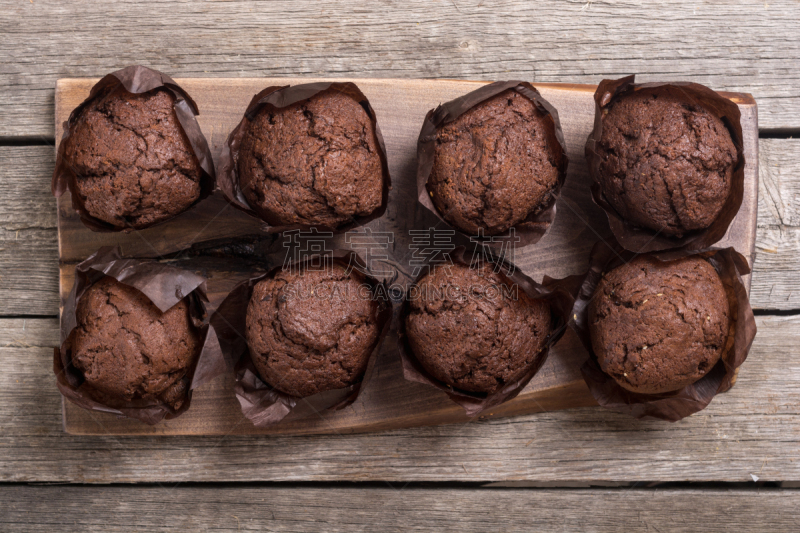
734 466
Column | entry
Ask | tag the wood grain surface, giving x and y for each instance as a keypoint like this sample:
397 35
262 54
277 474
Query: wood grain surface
736 45
391 508
387 400
752 430
746 434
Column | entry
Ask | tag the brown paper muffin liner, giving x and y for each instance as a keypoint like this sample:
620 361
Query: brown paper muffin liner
675 405
278 98
135 79
163 285
262 404
559 293
638 239
535 225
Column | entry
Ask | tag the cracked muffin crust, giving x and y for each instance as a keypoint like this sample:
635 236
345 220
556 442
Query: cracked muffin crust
493 166
657 327
666 164
310 331
133 165
127 349
468 328
315 162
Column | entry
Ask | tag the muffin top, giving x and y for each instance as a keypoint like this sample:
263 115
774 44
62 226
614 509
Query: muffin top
127 349
657 327
666 163
312 330
134 165
494 165
315 162
474 329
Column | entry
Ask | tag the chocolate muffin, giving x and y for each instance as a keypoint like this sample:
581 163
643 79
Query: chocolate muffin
133 165
470 329
494 165
128 350
315 162
666 163
310 331
659 326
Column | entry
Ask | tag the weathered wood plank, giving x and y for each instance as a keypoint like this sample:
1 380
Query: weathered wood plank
28 240
29 262
776 283
745 46
391 508
751 430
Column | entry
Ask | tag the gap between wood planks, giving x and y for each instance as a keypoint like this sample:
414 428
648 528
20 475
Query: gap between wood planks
779 133
36 140
33 140
774 312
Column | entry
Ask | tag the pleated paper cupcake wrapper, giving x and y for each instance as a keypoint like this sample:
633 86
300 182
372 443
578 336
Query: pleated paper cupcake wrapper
136 80
535 225
559 293
675 405
163 285
277 98
638 239
261 403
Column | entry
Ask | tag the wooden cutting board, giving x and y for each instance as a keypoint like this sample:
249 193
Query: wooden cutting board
388 401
